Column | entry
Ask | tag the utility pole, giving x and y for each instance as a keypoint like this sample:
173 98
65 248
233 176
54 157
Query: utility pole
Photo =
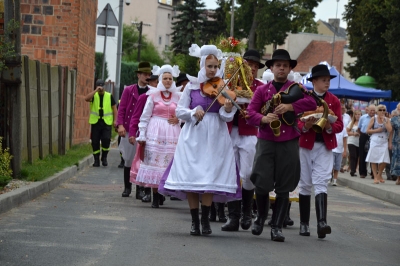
104 46
232 16
117 86
140 27
334 33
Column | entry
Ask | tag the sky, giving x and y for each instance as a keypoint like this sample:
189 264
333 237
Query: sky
325 10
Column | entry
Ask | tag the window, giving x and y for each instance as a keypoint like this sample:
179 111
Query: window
169 16
159 40
167 39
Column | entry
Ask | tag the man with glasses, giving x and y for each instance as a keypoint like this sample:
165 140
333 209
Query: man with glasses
364 137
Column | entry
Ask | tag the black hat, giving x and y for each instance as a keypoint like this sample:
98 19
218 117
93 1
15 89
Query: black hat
181 78
144 67
320 71
281 54
253 55
100 83
152 77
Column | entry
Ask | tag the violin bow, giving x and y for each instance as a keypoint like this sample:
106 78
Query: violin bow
220 91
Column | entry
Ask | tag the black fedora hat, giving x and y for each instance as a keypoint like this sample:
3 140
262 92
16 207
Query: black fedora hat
320 71
152 77
181 78
281 54
144 67
255 56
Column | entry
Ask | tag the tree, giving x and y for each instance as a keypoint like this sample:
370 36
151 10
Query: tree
187 26
130 41
98 61
217 25
368 21
268 22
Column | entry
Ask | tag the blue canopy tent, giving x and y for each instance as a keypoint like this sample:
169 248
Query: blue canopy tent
343 88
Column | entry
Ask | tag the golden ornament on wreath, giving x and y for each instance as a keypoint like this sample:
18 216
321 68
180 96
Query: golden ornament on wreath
240 84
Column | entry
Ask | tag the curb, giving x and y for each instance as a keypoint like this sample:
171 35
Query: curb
22 195
371 190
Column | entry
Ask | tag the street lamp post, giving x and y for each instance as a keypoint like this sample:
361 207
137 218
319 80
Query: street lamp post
232 16
334 33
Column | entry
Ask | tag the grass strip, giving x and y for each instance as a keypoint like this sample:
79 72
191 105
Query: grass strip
48 166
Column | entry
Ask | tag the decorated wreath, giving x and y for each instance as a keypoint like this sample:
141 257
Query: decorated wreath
231 50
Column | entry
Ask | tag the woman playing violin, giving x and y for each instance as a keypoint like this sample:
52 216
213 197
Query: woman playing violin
204 163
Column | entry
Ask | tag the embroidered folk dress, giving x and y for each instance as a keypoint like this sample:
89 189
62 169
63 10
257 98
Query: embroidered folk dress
395 164
161 138
204 159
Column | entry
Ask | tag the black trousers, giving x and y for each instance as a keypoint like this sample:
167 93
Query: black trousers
101 132
276 166
363 154
354 154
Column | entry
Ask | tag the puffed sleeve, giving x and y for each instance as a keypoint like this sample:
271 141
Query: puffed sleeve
227 117
145 118
183 111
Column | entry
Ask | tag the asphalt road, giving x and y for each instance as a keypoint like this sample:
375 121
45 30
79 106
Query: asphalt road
86 222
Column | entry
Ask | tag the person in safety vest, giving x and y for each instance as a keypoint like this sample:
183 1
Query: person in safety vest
103 113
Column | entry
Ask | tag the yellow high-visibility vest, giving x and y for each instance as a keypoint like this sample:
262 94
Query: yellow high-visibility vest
108 115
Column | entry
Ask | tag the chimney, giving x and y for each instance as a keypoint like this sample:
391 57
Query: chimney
335 22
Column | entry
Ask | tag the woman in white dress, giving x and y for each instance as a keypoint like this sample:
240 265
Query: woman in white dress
353 141
204 163
379 128
159 130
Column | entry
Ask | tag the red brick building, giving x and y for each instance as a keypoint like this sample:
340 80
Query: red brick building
63 32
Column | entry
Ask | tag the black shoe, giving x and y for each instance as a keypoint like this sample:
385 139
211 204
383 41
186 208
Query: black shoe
127 183
304 206
234 214
122 163
321 206
205 222
96 160
353 174
213 213
247 203
147 196
175 198
156 200
195 229
139 192
281 206
262 213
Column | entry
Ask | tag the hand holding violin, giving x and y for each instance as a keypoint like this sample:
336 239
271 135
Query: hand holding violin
199 114
228 105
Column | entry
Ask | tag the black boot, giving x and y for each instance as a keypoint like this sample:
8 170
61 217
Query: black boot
304 206
122 163
281 205
127 183
205 222
213 213
195 230
221 212
321 206
156 200
139 192
104 158
147 195
234 215
247 203
262 213
288 221
96 160
161 199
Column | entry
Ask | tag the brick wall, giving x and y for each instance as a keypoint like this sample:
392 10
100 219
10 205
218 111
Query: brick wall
63 32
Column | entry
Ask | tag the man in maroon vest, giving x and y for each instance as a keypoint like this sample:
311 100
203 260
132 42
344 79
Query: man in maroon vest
244 139
126 107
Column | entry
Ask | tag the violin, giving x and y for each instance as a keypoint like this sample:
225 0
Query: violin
213 87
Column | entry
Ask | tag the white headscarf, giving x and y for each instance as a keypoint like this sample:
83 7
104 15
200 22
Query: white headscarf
202 53
159 71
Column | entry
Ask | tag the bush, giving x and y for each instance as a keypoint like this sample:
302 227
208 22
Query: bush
5 160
